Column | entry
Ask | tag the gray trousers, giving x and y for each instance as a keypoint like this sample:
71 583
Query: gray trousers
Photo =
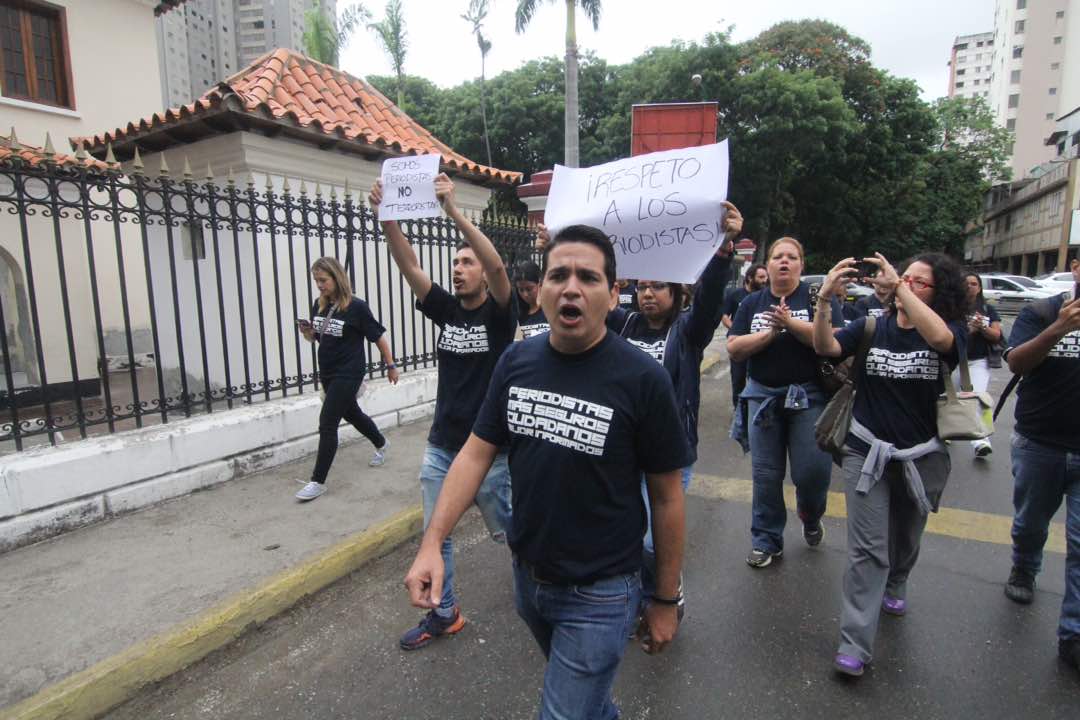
885 528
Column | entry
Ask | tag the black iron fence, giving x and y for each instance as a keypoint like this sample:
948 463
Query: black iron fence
131 299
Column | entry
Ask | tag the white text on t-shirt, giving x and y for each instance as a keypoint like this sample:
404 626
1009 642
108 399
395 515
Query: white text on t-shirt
558 419
915 365
464 340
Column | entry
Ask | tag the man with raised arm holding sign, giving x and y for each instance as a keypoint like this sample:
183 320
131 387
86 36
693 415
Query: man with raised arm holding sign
478 323
584 415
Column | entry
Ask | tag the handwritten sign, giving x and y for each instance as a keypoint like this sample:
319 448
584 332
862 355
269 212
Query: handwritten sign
409 188
662 211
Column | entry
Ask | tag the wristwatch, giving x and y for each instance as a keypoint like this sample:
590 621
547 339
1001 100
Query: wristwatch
390 366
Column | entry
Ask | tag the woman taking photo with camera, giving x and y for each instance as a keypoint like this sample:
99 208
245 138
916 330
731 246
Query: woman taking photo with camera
984 331
894 466
340 324
781 402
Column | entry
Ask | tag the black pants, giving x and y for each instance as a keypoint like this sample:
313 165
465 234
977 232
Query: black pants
738 379
340 404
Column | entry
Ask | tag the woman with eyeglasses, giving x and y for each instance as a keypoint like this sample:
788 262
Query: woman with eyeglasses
984 330
894 466
781 402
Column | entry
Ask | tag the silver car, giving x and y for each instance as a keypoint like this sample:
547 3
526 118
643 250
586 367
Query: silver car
1058 282
1008 295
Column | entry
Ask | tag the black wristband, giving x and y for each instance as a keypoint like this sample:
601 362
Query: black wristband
663 600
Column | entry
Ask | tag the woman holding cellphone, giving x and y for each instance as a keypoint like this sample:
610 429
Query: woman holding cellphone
893 464
340 324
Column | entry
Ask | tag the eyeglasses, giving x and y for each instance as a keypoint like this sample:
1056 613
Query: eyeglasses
916 283
654 286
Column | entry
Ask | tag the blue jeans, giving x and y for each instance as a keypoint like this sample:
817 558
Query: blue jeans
648 560
493 499
1042 477
582 631
785 433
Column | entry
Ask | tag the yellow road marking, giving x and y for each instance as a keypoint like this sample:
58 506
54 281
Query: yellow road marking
950 522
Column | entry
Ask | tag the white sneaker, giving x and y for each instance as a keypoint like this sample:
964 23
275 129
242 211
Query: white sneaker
378 458
983 448
310 491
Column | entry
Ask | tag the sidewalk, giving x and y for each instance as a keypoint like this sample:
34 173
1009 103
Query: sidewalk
77 600
88 617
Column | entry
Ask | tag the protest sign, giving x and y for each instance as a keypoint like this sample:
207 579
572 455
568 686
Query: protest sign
662 211
408 186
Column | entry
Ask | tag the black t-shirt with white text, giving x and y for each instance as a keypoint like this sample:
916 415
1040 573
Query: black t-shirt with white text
581 430
341 343
978 347
628 297
896 395
1048 398
469 345
869 306
786 360
652 342
534 324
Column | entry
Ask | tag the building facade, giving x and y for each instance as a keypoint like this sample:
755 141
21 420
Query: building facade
971 65
1030 43
206 41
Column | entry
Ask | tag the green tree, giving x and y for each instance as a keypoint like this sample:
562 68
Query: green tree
476 15
324 37
525 11
391 34
422 99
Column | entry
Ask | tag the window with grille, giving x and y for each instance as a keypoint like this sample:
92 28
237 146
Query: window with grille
34 62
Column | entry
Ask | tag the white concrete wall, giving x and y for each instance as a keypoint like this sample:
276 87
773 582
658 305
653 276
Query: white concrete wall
115 82
377 278
47 491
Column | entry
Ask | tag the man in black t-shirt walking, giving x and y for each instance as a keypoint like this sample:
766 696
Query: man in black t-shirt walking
584 414
757 277
1044 347
477 324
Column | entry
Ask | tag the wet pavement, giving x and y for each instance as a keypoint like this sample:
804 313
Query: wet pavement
754 643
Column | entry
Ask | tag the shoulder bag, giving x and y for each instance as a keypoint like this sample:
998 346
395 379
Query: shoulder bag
965 415
832 426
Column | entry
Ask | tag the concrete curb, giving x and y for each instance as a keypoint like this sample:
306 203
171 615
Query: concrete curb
94 691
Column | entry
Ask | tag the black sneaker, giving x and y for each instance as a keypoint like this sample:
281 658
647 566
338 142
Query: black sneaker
1020 587
1069 651
813 534
762 558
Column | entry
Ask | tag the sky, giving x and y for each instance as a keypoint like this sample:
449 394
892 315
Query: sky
909 38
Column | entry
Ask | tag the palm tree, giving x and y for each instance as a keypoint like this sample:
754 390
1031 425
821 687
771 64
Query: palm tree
525 11
324 38
391 33
476 15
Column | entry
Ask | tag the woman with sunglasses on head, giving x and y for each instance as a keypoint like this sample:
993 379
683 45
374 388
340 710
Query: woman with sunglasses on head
782 400
894 466
984 330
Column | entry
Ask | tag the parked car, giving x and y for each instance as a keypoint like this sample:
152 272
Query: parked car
1058 282
1009 295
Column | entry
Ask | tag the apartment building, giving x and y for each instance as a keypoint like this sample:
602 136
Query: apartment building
206 41
970 65
1030 43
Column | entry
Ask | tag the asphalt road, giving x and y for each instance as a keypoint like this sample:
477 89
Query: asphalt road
754 643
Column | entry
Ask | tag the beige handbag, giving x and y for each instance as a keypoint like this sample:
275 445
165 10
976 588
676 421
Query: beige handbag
963 415
834 423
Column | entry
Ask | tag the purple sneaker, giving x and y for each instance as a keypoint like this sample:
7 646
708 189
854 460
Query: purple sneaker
848 665
894 606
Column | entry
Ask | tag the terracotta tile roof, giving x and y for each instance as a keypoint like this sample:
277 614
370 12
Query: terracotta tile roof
33 156
316 102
